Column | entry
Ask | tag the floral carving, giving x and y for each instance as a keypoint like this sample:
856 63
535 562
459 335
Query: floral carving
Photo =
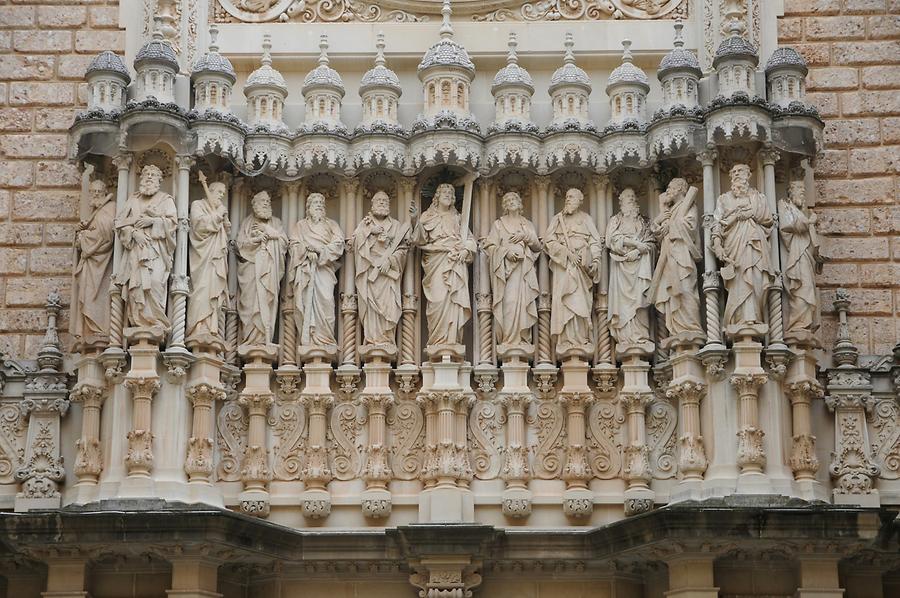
485 439
231 435
407 427
548 422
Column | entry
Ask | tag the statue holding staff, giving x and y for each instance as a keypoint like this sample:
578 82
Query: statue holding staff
209 265
801 264
447 249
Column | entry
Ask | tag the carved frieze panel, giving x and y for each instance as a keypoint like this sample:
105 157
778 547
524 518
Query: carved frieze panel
13 427
288 422
406 428
547 420
407 11
604 433
347 430
662 420
231 440
486 438
886 437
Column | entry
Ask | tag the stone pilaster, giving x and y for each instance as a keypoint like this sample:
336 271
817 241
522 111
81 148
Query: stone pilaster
575 397
256 397
318 399
142 381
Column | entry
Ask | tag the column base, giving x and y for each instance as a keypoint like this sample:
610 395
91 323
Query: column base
205 493
254 503
135 486
24 504
811 490
446 505
754 483
638 500
687 490
864 500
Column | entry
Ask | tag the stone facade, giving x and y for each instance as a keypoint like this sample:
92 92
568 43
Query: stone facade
351 317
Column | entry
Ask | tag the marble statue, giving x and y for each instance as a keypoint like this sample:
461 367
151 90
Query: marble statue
93 268
209 265
574 247
261 246
446 253
630 248
740 239
512 247
316 246
801 263
379 246
674 289
146 227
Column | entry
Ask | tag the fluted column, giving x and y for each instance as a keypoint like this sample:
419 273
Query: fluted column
255 472
714 352
691 452
516 472
576 471
751 454
636 469
139 460
199 461
316 502
89 455
803 461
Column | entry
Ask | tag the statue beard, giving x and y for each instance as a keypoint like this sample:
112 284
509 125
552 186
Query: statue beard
740 188
380 213
148 188
98 201
569 210
263 213
316 216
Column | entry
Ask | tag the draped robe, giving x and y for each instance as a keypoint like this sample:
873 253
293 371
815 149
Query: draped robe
629 280
378 294
260 270
209 269
445 282
747 272
514 283
146 263
90 308
569 236
674 288
313 282
800 239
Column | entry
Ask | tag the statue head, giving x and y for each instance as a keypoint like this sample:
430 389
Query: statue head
151 179
740 179
315 207
445 196
511 202
628 203
574 197
677 189
262 205
98 194
381 204
217 192
797 193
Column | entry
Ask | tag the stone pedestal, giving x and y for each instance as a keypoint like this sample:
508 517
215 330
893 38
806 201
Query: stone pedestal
377 399
819 578
317 397
575 396
691 576
688 388
635 396
802 389
747 379
142 381
515 397
204 389
256 398
445 394
90 391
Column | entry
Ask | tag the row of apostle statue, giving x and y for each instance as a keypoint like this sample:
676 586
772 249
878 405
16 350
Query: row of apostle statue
650 263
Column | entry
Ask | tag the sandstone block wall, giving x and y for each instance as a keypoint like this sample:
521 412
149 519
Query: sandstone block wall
853 50
45 47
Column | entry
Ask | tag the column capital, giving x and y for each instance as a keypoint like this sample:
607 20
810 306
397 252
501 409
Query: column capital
769 156
184 161
708 157
123 160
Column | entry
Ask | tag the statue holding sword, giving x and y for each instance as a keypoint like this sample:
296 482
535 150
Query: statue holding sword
447 250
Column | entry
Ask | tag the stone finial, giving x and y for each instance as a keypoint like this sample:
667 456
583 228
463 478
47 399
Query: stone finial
267 50
844 352
379 49
50 354
626 51
213 36
446 27
570 45
323 50
511 57
679 34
